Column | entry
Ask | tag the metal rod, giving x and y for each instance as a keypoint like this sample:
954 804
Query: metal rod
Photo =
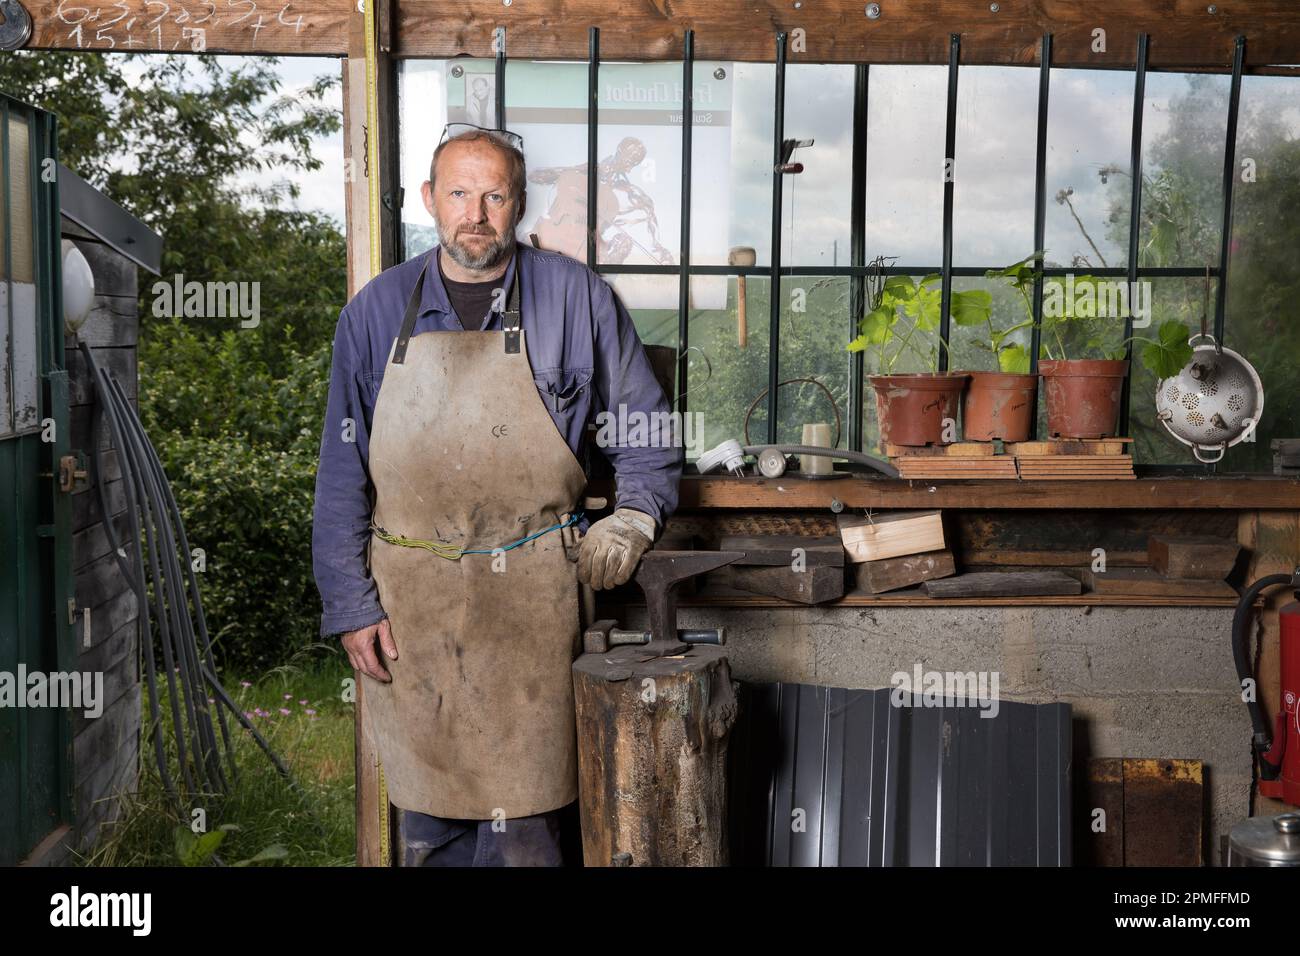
593 111
1134 217
7 171
500 39
774 289
1229 177
684 260
1040 207
857 250
949 174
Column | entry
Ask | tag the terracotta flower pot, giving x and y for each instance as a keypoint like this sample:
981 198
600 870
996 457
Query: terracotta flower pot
911 408
1083 396
999 405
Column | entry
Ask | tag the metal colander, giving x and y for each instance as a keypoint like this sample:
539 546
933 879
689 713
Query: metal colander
1214 402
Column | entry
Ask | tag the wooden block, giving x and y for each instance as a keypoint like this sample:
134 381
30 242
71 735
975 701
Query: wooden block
876 577
890 535
1193 556
1004 584
961 449
1000 466
1146 581
813 585
778 549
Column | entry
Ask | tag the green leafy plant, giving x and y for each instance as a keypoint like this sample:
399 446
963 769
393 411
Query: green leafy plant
1164 355
890 301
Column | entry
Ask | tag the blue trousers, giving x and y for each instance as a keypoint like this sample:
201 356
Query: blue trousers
523 841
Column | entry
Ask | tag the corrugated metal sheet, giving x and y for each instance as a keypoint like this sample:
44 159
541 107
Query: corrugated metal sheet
825 776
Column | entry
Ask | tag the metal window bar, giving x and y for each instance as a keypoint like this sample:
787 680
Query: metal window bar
858 251
1166 272
684 258
7 428
499 39
1229 177
1040 209
593 110
1134 217
774 270
949 174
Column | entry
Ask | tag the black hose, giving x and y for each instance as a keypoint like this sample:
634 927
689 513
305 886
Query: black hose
1240 619
159 532
862 458
135 576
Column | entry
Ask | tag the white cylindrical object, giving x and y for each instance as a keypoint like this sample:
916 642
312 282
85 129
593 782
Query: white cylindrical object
78 287
817 435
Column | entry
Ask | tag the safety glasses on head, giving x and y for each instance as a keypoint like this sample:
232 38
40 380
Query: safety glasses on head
502 136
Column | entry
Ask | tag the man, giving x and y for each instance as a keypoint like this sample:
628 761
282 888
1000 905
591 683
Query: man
461 387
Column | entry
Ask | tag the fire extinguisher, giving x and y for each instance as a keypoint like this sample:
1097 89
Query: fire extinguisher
1277 756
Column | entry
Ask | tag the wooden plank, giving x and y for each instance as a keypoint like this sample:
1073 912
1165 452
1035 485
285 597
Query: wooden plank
1026 449
778 549
318 28
961 449
1173 493
114 320
891 535
1147 581
120 361
816 584
916 597
1004 584
876 577
1183 33
1193 556
114 273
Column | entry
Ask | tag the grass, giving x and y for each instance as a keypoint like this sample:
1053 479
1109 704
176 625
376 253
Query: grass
298 708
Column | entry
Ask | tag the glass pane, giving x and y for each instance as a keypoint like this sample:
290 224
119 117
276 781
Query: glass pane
973 345
1183 131
1089 136
546 104
424 92
993 175
815 219
814 332
640 148
904 201
1263 273
731 161
1185 301
725 376
24 360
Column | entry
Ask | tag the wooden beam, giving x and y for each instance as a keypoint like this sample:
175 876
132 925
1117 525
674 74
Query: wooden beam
1232 494
318 28
1184 33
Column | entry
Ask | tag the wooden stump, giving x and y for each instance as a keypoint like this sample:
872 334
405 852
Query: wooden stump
652 756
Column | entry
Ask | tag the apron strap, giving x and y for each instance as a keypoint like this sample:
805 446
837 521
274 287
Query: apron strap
510 319
408 320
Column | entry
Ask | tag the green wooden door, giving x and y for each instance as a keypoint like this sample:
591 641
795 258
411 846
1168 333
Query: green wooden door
35 542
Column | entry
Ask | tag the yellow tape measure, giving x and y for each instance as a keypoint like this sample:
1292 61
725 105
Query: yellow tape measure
370 10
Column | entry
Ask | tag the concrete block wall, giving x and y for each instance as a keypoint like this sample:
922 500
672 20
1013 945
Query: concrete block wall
1142 682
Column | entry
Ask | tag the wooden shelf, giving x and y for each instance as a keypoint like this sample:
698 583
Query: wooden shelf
917 598
1244 493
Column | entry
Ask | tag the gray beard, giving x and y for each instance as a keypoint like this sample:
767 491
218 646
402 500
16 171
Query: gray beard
493 254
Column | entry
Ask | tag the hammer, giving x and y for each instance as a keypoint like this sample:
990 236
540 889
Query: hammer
741 256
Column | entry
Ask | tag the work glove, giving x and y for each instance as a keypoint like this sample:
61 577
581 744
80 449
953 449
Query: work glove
611 548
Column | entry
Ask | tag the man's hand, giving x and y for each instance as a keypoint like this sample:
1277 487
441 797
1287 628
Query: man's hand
612 547
360 646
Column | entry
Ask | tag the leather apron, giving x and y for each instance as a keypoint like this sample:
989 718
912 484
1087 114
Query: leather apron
478 721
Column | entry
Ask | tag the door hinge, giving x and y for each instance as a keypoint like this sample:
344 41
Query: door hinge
72 468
